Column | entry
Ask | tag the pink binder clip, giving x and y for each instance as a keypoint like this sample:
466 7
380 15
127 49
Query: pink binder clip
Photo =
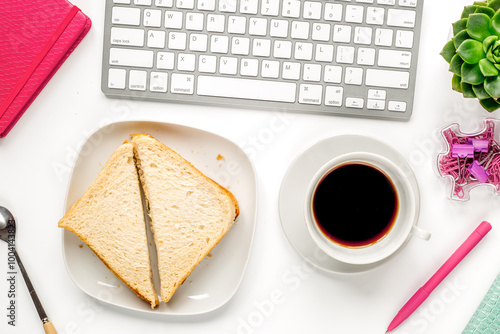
471 159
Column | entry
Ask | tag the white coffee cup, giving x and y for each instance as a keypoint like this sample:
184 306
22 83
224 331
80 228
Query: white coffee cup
403 225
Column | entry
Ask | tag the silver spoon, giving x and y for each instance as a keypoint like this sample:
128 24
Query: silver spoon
8 234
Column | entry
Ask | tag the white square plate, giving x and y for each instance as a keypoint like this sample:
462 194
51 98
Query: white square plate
217 277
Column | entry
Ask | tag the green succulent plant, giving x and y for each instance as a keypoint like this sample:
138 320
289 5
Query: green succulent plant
474 53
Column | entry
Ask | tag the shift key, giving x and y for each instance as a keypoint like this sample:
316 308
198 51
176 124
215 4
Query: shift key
386 78
129 57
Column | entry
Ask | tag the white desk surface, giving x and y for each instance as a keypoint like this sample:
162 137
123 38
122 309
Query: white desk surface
72 106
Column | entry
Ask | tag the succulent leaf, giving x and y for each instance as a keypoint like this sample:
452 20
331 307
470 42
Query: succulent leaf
449 51
471 51
471 73
492 86
459 38
480 92
495 5
478 26
489 104
495 24
487 68
456 83
459 26
489 42
485 10
467 91
456 64
468 10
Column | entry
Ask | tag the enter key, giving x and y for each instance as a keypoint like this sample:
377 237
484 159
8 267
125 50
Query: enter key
394 58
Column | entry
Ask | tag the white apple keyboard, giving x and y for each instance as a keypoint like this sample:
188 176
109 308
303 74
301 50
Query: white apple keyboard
340 57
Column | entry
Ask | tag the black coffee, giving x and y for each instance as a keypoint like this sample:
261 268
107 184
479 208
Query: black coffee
355 204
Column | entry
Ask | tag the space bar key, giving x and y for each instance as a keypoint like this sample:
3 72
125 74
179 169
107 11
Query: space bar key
246 89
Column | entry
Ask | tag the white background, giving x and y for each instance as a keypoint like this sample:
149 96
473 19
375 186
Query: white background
35 164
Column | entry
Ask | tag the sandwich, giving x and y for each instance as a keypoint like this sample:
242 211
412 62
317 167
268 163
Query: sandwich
109 218
189 212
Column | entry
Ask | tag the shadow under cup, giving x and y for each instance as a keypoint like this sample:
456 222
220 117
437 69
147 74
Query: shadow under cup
361 208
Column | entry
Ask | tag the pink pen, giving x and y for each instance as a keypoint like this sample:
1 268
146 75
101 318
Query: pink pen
424 292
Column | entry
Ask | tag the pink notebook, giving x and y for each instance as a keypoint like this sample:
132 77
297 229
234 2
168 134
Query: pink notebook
36 37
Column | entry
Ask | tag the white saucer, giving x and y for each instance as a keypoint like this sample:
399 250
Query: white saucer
294 187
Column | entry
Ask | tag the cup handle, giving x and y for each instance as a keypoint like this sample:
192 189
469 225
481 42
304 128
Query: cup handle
422 234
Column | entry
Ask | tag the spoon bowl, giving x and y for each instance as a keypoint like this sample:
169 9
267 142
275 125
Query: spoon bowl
8 234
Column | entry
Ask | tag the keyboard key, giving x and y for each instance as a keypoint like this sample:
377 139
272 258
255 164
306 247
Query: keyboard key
375 15
129 57
312 72
386 2
126 16
257 27
303 51
177 40
377 94
354 102
152 18
249 6
246 89
375 104
270 69
333 74
240 46
310 94
282 49
334 96
261 47
396 59
184 4
228 65
363 35
158 82
219 44
408 3
312 10
236 24
279 28
142 2
333 12
164 3
387 78
227 6
354 14
353 76
215 23
127 36
249 67
397 106
342 33
182 83
324 52
117 78
345 54
156 39
270 7
206 5
300 30
186 62
165 60
173 19
137 80
383 37
291 8
321 32
366 56
198 42
291 70
207 64
404 39
401 18
195 21
125 2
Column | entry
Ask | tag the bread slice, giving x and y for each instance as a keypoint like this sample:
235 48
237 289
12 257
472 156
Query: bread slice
190 213
109 218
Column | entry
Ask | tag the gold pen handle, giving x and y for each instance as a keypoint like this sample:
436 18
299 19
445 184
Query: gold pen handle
49 328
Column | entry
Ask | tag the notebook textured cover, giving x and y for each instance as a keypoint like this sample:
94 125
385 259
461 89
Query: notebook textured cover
486 319
36 37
